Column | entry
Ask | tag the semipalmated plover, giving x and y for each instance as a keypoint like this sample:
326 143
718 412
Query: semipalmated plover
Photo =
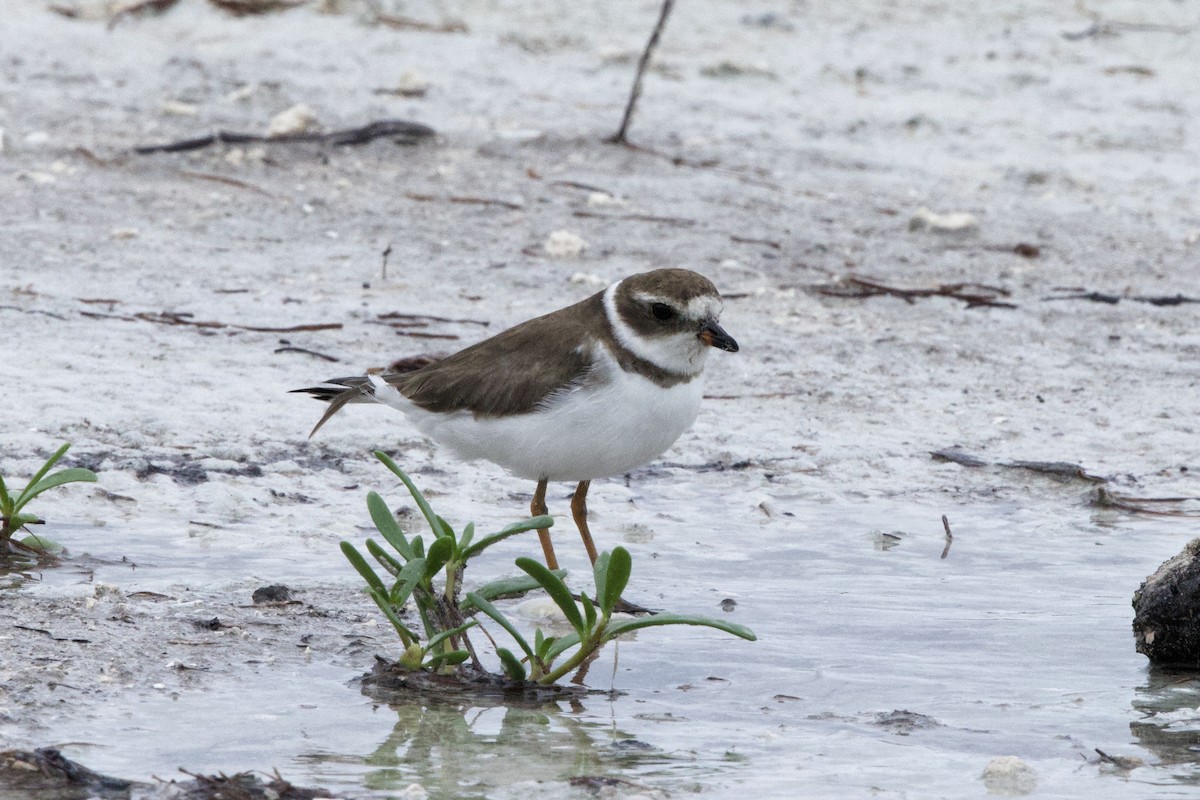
595 389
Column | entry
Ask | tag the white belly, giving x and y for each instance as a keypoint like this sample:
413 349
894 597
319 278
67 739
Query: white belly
600 430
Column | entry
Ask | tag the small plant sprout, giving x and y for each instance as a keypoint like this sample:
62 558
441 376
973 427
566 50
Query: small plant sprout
442 645
12 515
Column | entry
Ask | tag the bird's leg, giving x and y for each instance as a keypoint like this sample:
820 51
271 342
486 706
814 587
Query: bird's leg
537 508
579 512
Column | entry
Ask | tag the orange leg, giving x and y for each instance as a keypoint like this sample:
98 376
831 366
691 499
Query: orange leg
537 508
579 512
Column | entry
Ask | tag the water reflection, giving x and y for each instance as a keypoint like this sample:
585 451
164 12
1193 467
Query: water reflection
1170 727
469 747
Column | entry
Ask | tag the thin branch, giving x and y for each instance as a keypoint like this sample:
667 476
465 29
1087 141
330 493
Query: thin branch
620 136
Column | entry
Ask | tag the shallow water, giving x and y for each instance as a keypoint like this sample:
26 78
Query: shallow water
881 668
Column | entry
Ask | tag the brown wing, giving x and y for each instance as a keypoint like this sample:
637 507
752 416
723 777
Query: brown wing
513 371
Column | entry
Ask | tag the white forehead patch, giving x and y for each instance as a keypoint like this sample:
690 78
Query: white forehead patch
706 306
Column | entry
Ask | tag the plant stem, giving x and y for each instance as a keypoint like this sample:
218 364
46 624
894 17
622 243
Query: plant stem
586 648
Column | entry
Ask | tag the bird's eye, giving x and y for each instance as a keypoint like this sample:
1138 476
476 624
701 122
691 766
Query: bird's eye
662 312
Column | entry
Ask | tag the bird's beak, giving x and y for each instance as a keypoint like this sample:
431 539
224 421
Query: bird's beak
714 335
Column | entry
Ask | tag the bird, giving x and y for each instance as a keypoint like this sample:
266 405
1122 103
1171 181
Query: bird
592 390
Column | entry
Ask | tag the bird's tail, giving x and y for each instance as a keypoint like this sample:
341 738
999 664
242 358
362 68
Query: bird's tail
338 392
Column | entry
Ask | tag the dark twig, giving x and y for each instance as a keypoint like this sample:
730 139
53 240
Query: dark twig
678 222
32 311
754 396
587 187
423 335
975 295
387 251
400 315
243 8
1113 299
1171 300
1059 470
949 536
733 237
290 349
469 201
1120 762
957 456
181 318
1101 27
403 23
184 318
206 176
1137 505
1095 297
139 8
404 132
634 93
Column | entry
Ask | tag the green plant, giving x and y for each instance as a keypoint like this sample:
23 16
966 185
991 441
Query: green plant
413 569
12 518
443 644
591 619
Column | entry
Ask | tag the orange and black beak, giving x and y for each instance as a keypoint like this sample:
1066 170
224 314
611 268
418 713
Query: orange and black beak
714 335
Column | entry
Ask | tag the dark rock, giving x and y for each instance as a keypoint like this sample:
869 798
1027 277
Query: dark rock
275 593
47 772
1166 621
48 775
902 722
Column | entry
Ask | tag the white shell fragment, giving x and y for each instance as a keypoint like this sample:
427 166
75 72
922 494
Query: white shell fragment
604 199
412 84
1009 776
564 244
588 279
954 222
242 94
178 108
297 119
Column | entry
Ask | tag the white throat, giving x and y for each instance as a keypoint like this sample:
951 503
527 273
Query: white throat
681 354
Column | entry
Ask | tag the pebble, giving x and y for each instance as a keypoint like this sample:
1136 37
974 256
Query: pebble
737 69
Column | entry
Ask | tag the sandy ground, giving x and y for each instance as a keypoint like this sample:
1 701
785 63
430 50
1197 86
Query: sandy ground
787 148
